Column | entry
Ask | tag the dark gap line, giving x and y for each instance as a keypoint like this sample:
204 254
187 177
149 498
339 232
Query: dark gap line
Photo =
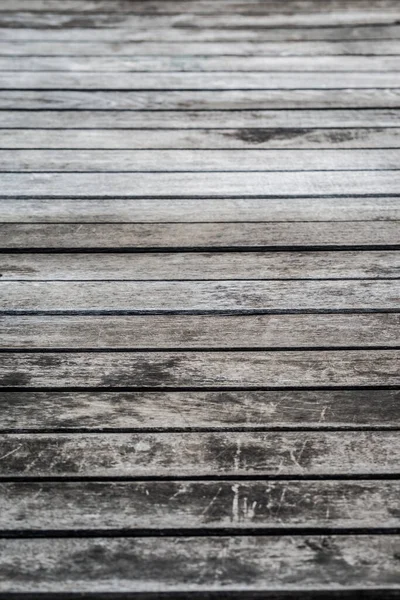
194 196
259 388
201 249
227 311
198 280
171 171
190 149
168 430
202 71
188 110
201 349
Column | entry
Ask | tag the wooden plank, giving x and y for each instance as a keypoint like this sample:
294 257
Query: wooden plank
200 63
218 80
384 31
201 369
273 563
203 296
200 100
197 505
190 410
139 210
194 120
153 161
200 331
373 47
164 266
257 138
175 455
200 236
312 183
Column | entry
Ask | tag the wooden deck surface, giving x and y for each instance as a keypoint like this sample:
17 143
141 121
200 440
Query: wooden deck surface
199 299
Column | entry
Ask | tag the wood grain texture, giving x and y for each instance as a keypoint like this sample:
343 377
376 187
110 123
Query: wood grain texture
197 160
64 506
199 296
219 184
201 369
59 411
323 562
372 47
199 454
221 80
200 331
222 210
193 120
204 236
206 139
219 266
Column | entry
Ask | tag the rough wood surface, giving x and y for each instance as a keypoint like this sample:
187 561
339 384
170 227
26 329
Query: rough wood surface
192 266
188 410
200 331
201 369
297 563
32 507
199 454
197 160
204 210
205 236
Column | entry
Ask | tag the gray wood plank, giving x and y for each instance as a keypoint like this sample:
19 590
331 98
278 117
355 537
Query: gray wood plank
220 184
199 331
159 505
203 296
164 33
199 63
153 161
139 210
187 410
201 369
219 266
218 80
193 120
256 138
175 455
204 236
372 47
220 564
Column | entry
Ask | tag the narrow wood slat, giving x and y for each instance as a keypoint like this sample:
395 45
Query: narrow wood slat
203 296
201 369
193 120
188 410
195 505
206 139
204 331
373 47
177 210
254 265
200 63
220 184
205 236
195 81
151 33
199 454
197 160
221 564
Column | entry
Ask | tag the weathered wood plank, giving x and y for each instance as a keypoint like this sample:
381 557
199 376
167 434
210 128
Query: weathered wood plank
199 63
98 210
218 80
151 33
199 454
194 120
201 369
373 47
233 295
219 184
254 265
204 236
273 563
207 504
186 410
131 161
269 138
200 331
